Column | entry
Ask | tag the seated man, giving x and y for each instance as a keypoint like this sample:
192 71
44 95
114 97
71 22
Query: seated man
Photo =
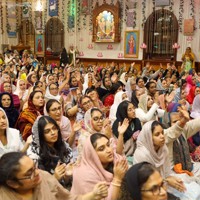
178 146
21 179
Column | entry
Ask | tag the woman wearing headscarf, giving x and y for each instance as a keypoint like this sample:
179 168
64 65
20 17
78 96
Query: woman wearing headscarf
99 163
126 111
146 181
119 97
135 98
148 108
6 87
53 108
94 122
30 114
52 92
124 78
108 99
52 153
31 79
6 102
151 148
195 113
21 90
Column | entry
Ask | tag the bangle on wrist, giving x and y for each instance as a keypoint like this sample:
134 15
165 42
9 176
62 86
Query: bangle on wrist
117 181
116 184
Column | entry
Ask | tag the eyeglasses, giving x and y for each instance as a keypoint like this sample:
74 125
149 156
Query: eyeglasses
56 109
97 119
32 173
7 86
156 189
53 88
87 102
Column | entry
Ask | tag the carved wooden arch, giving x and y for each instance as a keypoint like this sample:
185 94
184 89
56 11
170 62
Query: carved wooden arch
168 35
54 35
115 10
27 33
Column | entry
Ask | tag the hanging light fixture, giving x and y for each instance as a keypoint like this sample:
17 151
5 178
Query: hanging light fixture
39 6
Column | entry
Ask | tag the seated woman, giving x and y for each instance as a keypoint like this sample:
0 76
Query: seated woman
98 164
151 148
10 139
6 87
54 110
146 181
148 108
31 79
28 116
119 97
92 93
94 122
49 149
6 102
21 90
52 92
126 114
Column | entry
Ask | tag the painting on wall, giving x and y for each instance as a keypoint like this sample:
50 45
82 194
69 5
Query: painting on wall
131 44
105 27
53 8
11 15
39 44
85 7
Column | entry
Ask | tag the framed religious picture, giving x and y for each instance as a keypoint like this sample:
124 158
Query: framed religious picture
85 7
131 44
106 23
39 44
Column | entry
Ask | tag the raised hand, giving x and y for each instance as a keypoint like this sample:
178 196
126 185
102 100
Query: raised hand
122 127
60 171
77 125
120 168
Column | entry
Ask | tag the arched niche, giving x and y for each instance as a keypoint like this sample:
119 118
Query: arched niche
54 35
160 33
27 34
106 23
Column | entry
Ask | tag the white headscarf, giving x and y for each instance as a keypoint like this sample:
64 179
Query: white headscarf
117 101
195 113
85 84
17 91
122 78
48 95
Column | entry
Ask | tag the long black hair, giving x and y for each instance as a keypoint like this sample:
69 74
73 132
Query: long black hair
135 178
51 155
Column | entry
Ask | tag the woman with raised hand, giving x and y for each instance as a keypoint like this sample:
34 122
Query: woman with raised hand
131 127
151 148
99 163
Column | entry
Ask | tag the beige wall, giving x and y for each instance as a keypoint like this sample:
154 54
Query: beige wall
82 38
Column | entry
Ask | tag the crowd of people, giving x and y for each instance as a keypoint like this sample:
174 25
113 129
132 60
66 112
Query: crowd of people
114 133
